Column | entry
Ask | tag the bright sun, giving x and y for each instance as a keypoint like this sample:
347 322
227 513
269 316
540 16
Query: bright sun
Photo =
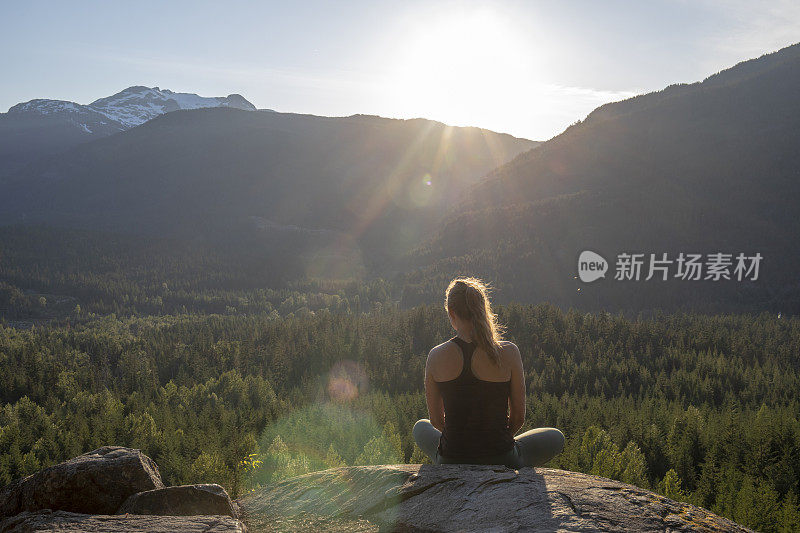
451 67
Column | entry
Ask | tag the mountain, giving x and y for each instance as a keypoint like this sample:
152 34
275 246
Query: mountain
137 105
42 127
702 168
358 186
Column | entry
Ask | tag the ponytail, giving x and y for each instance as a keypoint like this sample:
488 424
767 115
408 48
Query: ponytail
468 299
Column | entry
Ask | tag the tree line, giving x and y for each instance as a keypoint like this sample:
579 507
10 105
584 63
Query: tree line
700 408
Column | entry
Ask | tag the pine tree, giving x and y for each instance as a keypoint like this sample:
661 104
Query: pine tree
789 514
332 458
634 466
671 486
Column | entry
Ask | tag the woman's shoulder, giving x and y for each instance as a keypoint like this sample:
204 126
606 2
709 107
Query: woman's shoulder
508 346
441 356
442 348
509 351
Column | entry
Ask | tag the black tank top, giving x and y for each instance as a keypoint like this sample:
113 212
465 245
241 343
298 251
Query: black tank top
476 413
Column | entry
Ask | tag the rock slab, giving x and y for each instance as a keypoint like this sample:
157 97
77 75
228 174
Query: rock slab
97 482
467 498
183 500
66 522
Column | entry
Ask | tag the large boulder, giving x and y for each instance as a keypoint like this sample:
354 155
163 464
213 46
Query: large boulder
97 482
66 522
183 500
467 498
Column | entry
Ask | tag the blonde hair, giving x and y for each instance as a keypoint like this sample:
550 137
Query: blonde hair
468 299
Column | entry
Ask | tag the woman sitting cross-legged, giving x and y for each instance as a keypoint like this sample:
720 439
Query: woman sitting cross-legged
475 390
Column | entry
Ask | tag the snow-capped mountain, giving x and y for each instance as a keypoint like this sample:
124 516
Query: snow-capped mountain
128 108
39 128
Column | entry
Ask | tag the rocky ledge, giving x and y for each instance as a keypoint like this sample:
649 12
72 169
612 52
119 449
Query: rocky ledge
112 489
119 489
467 498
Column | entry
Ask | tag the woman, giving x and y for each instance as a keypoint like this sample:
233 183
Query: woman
475 390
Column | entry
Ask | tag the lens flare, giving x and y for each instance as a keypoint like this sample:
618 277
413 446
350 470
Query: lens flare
346 380
420 192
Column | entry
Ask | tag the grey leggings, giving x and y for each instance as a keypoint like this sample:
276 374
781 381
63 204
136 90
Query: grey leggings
532 448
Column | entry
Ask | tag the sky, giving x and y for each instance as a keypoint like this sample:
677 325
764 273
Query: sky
528 68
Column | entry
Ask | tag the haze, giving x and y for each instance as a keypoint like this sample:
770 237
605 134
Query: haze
525 68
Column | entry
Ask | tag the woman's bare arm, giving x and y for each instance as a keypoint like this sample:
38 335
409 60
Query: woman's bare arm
433 396
516 401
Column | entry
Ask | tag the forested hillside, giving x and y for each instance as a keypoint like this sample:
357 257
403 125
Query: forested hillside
702 168
700 408
696 168
361 189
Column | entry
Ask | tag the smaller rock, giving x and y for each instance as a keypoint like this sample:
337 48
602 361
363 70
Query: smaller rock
184 500
66 522
93 483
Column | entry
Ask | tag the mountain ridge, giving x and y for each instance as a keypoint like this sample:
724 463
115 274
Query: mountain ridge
710 168
740 72
359 177
43 127
143 104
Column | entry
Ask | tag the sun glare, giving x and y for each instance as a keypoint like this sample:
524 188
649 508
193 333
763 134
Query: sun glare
461 66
